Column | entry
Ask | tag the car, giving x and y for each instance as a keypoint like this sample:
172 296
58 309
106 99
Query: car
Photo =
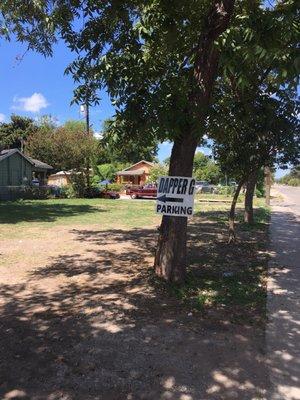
35 182
142 191
205 187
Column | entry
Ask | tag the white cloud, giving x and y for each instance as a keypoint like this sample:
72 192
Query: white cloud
32 103
98 135
2 117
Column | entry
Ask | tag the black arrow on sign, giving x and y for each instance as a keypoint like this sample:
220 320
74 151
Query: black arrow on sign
165 199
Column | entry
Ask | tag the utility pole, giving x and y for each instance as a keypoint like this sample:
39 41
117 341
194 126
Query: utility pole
87 121
87 117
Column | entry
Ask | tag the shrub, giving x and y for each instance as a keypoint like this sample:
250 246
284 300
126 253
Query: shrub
226 190
259 192
116 187
294 182
94 192
67 192
30 192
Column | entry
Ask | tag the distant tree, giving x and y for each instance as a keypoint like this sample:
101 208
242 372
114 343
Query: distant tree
14 134
167 161
292 178
107 171
47 121
205 169
65 148
119 147
262 132
210 173
157 171
200 161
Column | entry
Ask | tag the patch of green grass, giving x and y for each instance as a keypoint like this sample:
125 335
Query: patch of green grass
17 216
243 289
262 216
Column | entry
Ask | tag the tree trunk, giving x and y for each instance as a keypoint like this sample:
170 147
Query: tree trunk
87 177
170 259
268 185
248 214
232 212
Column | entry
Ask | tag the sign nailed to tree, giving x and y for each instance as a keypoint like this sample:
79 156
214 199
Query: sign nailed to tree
175 196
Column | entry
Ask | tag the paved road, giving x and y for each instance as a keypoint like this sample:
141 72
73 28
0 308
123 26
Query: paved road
283 331
291 197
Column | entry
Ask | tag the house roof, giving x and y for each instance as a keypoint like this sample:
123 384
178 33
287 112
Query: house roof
60 173
40 164
142 161
131 173
36 163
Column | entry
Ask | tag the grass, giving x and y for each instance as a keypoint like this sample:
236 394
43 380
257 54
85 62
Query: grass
244 288
229 278
215 197
206 287
44 214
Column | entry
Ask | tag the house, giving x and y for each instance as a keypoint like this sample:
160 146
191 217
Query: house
17 170
61 178
136 174
65 178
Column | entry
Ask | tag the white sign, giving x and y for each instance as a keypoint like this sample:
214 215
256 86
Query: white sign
175 196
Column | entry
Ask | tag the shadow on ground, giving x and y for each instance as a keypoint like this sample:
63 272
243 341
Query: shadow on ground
109 333
16 212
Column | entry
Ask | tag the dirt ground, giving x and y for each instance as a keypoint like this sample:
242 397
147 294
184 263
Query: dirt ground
81 320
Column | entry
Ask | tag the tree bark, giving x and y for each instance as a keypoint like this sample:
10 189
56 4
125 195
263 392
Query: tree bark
268 185
171 254
251 182
232 236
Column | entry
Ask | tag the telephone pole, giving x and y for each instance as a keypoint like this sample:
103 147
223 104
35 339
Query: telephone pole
87 117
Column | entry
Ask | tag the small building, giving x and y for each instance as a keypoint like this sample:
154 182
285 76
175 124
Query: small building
136 174
17 170
61 178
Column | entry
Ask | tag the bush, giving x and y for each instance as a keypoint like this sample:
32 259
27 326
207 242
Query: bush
259 192
29 192
294 182
94 192
67 192
226 190
116 187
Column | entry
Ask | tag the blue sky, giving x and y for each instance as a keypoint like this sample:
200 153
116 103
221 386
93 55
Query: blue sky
32 85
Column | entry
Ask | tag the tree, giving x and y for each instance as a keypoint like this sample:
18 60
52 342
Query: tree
120 147
65 148
106 171
14 133
268 134
255 105
200 161
157 171
292 178
206 169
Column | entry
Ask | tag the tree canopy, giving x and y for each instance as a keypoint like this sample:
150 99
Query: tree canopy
66 147
13 134
121 147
